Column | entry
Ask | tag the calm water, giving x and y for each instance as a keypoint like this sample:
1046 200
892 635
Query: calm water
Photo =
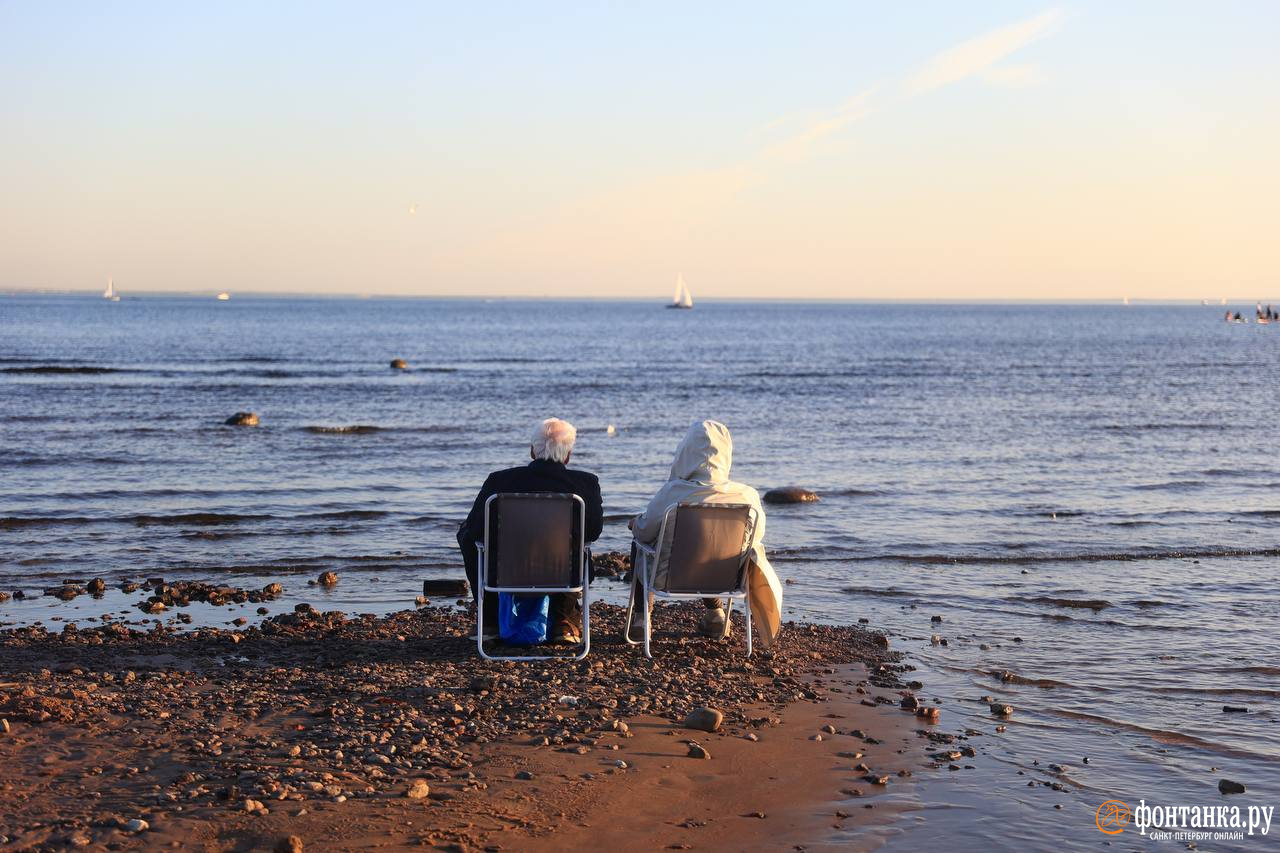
1101 482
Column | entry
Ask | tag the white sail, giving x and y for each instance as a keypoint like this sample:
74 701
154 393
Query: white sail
682 297
110 292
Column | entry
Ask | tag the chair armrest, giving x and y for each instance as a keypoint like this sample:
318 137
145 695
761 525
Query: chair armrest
647 550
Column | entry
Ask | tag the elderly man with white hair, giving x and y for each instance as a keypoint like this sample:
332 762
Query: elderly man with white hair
550 450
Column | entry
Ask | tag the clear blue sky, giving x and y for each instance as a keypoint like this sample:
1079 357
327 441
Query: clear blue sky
832 149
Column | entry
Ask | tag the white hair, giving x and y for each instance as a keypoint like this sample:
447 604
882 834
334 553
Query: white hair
553 439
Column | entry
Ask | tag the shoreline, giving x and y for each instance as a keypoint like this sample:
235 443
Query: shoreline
320 726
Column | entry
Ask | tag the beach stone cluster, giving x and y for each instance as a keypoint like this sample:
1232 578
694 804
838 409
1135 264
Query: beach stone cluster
333 707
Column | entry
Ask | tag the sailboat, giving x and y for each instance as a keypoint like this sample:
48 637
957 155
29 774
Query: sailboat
223 296
682 297
110 293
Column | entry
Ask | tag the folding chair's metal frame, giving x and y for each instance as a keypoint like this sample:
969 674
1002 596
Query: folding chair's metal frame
584 587
647 561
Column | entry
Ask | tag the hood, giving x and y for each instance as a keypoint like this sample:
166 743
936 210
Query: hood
705 454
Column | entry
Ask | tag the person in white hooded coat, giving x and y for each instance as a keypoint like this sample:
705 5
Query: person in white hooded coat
700 474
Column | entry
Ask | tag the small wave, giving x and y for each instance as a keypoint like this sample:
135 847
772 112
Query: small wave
197 518
354 429
1158 426
15 522
853 493
1147 603
1170 484
59 368
1163 735
1094 604
1225 472
272 374
1261 513
354 514
878 591
1073 557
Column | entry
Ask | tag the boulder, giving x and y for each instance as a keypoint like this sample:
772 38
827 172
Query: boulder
704 719
790 495
446 587
242 419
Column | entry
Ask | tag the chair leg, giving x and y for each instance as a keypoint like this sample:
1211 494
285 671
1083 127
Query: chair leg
631 607
648 619
747 603
480 625
586 622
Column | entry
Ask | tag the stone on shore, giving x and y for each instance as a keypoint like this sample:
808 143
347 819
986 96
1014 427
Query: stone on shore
242 419
136 825
697 750
292 844
790 495
704 719
418 789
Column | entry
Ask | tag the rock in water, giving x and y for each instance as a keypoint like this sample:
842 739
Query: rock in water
97 586
1226 786
292 844
704 719
446 587
328 579
1000 709
790 495
418 789
399 364
242 419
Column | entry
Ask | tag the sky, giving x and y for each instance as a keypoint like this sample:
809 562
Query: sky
836 150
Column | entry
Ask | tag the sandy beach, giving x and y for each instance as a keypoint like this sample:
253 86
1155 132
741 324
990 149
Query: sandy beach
357 732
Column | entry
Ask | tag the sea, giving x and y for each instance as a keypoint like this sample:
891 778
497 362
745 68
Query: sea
1086 496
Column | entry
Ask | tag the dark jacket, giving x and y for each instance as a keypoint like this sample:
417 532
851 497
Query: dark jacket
540 475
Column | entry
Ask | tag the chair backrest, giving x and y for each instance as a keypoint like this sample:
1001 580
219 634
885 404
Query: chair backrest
534 539
703 548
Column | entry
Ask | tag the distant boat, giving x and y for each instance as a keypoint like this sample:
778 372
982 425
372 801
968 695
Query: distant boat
110 292
1126 300
223 296
682 297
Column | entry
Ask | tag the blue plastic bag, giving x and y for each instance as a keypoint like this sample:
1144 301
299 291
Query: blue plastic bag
522 619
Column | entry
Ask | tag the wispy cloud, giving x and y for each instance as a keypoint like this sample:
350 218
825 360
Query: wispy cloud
978 55
818 128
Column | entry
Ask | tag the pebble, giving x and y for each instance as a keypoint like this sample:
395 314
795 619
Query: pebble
291 844
524 774
829 729
697 750
137 825
5 727
418 789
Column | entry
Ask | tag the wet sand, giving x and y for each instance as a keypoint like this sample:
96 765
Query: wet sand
361 732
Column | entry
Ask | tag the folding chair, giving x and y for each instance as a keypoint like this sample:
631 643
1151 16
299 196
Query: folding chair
701 552
533 545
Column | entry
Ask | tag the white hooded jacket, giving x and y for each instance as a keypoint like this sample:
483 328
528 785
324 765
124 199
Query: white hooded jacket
700 474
